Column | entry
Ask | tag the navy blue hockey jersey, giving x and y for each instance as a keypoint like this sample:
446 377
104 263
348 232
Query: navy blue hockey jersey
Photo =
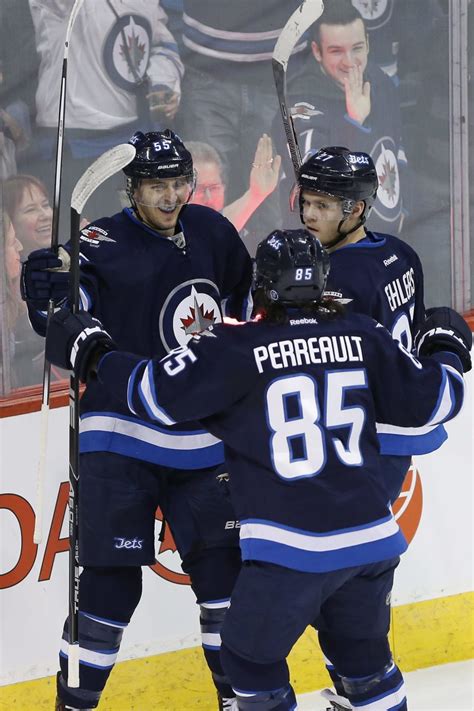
297 407
152 297
382 276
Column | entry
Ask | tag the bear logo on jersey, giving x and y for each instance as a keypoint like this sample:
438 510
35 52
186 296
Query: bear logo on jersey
189 309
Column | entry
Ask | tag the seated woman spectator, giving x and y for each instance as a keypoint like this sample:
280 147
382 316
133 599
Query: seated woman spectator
26 202
12 305
29 214
212 181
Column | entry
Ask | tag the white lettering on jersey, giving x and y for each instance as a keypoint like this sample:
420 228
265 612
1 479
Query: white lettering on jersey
400 291
304 351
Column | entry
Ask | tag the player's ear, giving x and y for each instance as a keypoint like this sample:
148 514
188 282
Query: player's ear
316 51
358 209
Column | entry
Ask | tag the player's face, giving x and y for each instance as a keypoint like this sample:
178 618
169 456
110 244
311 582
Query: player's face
33 218
341 49
209 190
321 215
159 201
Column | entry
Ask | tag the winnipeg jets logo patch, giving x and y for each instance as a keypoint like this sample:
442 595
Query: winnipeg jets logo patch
337 296
93 236
127 50
388 205
304 111
190 309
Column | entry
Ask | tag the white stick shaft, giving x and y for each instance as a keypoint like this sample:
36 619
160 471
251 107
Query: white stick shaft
40 477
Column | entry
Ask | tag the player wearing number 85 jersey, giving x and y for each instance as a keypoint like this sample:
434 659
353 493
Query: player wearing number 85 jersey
295 397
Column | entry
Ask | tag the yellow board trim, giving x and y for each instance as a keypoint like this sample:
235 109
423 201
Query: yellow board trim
423 634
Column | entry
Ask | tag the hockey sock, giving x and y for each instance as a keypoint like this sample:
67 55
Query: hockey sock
212 618
383 691
108 598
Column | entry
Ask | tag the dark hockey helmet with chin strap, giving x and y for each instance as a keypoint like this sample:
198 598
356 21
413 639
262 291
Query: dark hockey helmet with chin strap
291 267
160 154
341 173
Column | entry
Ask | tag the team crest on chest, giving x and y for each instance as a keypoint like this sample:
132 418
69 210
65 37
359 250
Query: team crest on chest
127 50
189 310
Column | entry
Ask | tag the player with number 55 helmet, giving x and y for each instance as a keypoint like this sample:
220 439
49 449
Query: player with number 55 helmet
160 179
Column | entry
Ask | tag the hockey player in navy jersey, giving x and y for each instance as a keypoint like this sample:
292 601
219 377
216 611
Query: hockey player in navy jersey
295 396
372 273
155 274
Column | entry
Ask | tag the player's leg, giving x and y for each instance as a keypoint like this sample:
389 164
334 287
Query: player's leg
271 608
353 628
198 510
118 499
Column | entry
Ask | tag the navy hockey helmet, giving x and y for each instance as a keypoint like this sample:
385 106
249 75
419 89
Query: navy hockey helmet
160 154
339 172
291 267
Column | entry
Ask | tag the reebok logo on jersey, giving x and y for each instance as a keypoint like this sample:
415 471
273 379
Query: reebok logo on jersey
300 321
128 543
390 260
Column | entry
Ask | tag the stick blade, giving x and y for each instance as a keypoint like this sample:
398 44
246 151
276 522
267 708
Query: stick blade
308 12
104 167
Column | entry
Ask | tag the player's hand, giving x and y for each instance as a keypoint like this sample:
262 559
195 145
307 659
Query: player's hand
265 169
357 91
445 330
45 276
76 342
163 102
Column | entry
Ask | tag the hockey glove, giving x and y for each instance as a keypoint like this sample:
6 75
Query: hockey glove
77 342
45 276
445 330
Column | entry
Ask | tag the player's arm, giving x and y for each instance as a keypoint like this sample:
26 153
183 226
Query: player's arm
413 394
236 297
45 276
165 69
190 383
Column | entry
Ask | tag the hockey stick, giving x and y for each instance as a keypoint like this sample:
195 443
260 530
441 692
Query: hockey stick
308 12
104 167
38 532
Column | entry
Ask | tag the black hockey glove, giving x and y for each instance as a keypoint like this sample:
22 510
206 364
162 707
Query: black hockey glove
45 276
445 330
77 342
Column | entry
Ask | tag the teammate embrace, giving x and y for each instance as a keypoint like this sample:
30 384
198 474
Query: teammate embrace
301 400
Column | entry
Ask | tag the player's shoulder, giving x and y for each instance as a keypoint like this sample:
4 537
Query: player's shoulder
203 214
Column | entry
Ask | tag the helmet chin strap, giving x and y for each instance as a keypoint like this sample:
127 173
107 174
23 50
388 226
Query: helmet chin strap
342 235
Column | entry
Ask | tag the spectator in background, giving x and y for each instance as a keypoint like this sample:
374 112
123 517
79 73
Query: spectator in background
18 78
22 356
340 98
229 96
383 22
27 205
211 182
124 72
